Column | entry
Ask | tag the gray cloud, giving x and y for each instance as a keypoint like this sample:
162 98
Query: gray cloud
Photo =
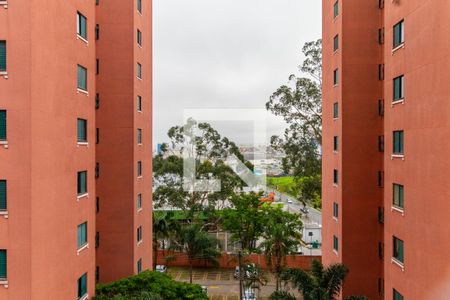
226 54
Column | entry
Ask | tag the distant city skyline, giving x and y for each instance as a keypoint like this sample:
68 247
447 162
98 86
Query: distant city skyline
226 54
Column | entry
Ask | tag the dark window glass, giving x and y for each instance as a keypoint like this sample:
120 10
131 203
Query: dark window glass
139 201
2 56
139 103
3 264
335 110
336 77
3 195
398 142
139 6
139 234
82 183
335 143
81 25
3 125
398 195
139 266
82 78
399 34
335 210
399 88
397 295
139 37
336 43
139 71
82 286
335 243
139 136
336 9
82 130
139 168
335 177
398 249
82 235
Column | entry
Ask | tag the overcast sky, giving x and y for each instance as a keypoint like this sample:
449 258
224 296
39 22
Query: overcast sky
226 54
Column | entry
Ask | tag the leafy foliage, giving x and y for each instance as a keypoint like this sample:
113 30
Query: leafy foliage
319 284
149 286
300 105
281 295
281 237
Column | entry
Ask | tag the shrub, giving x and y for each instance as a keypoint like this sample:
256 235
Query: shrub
149 286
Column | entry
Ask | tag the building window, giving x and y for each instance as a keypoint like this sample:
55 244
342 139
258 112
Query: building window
399 34
139 168
381 72
398 250
2 56
335 110
3 203
335 210
97 135
97 274
97 66
399 86
97 170
381 143
398 142
97 31
82 131
139 201
3 264
139 6
82 78
97 204
2 125
335 243
336 9
335 143
381 36
82 183
81 25
139 234
139 70
139 266
336 77
82 286
335 176
139 136
97 239
82 235
139 103
398 195
336 43
397 295
139 37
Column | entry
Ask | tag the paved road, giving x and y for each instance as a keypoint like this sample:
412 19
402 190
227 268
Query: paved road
220 283
313 216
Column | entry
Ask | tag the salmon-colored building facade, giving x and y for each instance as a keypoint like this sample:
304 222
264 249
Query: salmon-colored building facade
386 107
55 133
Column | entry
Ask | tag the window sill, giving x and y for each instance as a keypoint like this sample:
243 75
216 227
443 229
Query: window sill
402 156
139 144
139 46
334 218
85 246
4 144
85 297
139 78
335 185
140 242
401 46
335 252
398 209
139 111
4 213
335 119
398 263
335 151
86 144
4 73
335 85
82 39
4 282
139 177
399 101
139 210
85 195
82 91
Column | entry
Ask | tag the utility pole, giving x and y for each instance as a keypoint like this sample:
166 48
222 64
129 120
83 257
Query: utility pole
240 273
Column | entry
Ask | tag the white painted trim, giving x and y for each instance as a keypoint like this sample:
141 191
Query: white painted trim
82 196
4 213
400 264
398 209
85 246
401 46
82 144
402 156
4 282
399 101
83 39
82 91
85 297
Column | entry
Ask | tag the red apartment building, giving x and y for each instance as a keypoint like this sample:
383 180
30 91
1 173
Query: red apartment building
386 129
75 145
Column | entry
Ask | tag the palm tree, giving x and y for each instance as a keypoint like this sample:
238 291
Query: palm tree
319 284
197 245
160 231
282 235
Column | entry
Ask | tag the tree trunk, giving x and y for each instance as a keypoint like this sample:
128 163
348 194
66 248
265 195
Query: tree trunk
190 271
